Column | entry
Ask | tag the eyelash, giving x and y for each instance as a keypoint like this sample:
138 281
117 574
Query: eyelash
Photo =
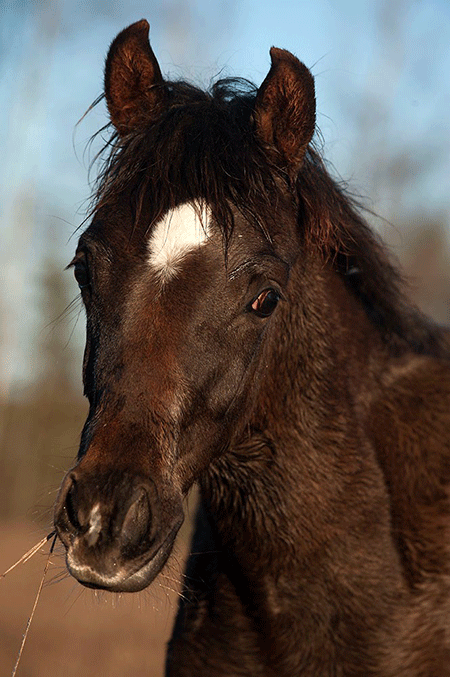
81 273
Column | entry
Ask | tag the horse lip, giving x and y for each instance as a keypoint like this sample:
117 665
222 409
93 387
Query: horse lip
122 581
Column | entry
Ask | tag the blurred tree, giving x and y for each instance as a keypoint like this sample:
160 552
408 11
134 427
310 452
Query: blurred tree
394 168
56 352
41 427
427 264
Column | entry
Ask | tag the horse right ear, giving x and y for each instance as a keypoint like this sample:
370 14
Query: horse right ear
285 110
134 86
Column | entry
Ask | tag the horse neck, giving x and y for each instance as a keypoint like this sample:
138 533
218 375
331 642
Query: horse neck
304 481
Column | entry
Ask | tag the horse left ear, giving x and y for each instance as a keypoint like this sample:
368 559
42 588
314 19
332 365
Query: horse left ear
134 86
285 109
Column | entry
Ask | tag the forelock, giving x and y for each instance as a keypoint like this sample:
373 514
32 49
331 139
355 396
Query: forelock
202 147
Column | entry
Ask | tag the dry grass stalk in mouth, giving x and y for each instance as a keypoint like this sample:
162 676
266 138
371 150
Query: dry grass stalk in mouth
28 555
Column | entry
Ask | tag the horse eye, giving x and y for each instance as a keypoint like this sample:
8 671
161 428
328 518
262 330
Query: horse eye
265 303
81 274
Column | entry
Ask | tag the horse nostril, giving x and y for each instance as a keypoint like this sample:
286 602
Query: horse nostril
116 517
66 516
71 510
137 523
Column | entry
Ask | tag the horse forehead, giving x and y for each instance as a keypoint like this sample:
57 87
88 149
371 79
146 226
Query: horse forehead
181 230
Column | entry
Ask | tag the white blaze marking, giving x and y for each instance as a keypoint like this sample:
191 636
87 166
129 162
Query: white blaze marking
180 231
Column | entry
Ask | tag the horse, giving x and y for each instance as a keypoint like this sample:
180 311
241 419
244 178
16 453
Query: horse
247 332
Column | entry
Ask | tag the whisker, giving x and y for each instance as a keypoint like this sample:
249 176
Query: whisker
205 552
169 578
57 578
173 591
77 597
71 308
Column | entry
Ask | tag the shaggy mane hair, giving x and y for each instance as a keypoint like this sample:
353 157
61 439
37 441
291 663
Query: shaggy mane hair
203 146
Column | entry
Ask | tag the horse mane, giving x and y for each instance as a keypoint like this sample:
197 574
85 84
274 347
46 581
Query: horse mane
334 221
204 146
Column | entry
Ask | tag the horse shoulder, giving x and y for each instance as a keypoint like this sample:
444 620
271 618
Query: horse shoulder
409 423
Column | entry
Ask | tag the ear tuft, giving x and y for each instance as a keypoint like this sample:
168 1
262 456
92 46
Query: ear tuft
134 86
285 109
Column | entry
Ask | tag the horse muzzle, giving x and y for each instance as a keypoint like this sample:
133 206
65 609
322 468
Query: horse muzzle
117 532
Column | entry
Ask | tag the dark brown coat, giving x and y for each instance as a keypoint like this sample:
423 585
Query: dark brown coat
280 367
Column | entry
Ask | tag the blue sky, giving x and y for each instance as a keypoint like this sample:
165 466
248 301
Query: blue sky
383 89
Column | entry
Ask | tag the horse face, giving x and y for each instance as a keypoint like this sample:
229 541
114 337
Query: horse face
177 321
175 327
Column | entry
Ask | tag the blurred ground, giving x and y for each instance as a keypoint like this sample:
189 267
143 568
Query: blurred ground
75 631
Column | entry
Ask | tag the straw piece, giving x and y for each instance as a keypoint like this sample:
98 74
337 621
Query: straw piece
28 555
25 634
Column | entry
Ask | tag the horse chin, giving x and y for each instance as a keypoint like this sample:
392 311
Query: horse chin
121 576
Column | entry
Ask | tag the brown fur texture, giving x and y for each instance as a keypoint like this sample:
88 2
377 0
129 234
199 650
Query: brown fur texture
316 425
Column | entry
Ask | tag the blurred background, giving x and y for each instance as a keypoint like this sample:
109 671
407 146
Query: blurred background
383 91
